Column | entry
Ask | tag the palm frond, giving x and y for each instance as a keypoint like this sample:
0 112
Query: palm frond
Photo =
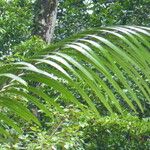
101 70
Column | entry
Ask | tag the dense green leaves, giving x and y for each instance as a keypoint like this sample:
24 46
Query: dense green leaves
104 71
15 24
82 14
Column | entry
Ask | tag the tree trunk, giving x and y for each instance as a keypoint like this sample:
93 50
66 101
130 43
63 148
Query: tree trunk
45 18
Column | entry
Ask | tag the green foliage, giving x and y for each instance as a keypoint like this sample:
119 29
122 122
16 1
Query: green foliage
15 24
115 132
74 16
25 50
105 71
67 95
74 130
30 47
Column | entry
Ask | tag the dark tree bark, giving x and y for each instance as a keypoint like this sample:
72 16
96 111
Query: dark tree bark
45 18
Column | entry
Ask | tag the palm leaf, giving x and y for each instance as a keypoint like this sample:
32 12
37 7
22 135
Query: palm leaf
101 70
